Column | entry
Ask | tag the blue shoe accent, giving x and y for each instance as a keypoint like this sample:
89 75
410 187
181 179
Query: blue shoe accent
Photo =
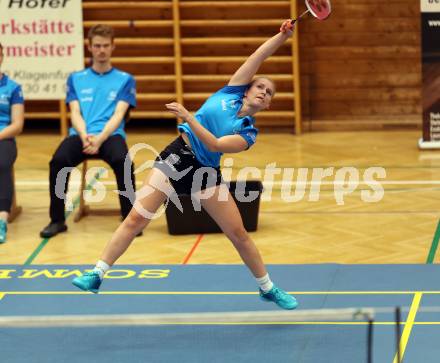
3 230
279 297
90 281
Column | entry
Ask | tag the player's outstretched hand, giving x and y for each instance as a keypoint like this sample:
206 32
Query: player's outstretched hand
287 27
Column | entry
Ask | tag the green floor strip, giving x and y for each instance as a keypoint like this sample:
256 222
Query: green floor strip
44 242
434 245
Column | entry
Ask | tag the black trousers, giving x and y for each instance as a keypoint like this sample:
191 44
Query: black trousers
8 154
69 154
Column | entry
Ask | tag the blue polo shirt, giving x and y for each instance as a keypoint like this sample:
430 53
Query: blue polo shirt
98 94
219 115
10 94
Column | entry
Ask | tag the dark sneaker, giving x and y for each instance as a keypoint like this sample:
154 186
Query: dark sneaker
279 297
52 229
90 281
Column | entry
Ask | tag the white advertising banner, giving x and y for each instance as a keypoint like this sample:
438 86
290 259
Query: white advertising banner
42 43
430 6
430 20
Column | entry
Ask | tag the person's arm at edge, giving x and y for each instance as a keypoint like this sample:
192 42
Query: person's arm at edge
17 122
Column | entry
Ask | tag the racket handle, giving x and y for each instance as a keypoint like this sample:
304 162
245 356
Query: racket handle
299 17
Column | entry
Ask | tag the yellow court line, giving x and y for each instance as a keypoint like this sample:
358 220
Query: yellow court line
206 292
273 323
409 325
382 323
347 323
2 295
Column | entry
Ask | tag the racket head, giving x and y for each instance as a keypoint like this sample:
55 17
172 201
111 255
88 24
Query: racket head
320 9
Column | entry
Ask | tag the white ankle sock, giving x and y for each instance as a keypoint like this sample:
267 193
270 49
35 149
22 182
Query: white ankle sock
265 283
101 268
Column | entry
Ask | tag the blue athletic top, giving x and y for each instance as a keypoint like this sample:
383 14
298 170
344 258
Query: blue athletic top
10 94
98 94
219 115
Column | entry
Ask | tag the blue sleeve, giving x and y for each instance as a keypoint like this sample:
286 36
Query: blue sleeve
17 96
239 90
249 134
128 92
70 90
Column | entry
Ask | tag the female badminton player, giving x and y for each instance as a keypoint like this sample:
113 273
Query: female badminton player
224 124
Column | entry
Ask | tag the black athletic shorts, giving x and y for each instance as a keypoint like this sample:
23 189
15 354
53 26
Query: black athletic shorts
174 161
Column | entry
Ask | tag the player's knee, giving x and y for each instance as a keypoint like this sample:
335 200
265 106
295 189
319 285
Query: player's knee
239 235
134 220
57 162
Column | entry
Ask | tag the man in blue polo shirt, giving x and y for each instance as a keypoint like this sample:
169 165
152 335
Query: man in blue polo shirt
11 125
99 98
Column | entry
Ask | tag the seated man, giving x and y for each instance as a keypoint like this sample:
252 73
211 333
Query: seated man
99 98
11 125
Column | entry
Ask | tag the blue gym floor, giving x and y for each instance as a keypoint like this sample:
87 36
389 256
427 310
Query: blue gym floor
46 290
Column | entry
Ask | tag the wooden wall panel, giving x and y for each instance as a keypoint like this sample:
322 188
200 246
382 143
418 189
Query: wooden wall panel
363 63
